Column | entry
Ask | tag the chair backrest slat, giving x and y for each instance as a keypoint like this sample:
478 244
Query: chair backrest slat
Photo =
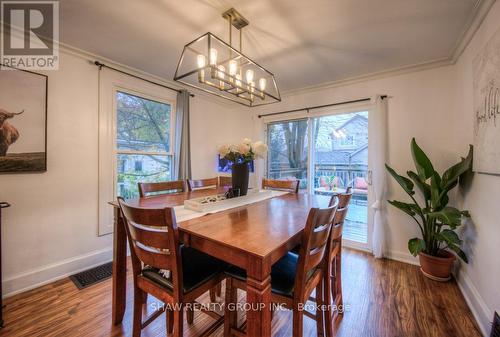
161 187
314 243
284 185
203 183
153 238
225 181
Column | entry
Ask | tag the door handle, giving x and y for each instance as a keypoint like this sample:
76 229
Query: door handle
369 177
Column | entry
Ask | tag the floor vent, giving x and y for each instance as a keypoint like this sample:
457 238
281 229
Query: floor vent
495 330
92 276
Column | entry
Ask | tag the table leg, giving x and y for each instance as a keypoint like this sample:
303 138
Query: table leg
259 302
119 268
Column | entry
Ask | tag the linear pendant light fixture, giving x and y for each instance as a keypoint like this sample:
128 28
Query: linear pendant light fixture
214 66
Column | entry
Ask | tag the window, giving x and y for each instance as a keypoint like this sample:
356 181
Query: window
347 141
143 142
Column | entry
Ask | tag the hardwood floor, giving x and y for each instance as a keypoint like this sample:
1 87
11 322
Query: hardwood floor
383 298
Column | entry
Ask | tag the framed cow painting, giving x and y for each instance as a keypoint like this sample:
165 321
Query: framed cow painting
23 121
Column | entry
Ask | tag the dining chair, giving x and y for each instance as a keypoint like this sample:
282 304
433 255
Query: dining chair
293 277
225 181
202 183
282 185
173 273
332 272
161 187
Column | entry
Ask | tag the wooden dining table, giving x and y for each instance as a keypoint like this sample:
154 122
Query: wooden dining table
252 237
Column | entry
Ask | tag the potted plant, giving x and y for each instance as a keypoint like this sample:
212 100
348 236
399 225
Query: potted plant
436 220
241 155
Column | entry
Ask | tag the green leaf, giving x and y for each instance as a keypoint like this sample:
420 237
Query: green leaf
450 176
416 245
436 192
459 252
422 185
449 216
424 166
404 182
450 237
410 209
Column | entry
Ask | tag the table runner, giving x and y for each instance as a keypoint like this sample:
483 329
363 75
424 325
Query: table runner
183 214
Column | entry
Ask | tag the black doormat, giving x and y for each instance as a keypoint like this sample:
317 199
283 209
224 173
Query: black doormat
92 276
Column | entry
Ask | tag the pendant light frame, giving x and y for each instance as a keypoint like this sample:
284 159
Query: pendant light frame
215 79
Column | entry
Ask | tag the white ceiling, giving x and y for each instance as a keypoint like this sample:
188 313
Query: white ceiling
304 42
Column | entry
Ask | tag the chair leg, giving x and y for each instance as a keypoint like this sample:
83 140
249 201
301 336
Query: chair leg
212 293
298 323
170 320
320 328
230 314
338 282
178 322
218 290
137 319
144 297
327 299
190 312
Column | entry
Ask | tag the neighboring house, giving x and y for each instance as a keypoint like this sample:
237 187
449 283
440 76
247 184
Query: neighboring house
134 168
347 145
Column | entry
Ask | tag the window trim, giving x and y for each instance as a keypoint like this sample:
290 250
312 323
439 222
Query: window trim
108 84
116 152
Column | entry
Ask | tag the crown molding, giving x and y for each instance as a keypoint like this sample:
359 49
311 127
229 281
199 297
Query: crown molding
370 77
479 13
476 18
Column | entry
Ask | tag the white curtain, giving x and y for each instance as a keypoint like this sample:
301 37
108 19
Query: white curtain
182 157
378 153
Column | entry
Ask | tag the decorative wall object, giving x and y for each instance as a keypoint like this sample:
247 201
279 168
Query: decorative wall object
486 69
23 121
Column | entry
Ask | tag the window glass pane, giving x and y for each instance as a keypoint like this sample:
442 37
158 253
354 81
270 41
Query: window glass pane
142 124
135 168
287 157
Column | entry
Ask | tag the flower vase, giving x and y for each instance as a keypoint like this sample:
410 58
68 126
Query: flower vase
240 177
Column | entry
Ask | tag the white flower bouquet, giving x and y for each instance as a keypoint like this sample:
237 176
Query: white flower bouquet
243 152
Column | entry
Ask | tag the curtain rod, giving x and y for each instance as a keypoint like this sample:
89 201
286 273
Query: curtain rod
319 106
101 65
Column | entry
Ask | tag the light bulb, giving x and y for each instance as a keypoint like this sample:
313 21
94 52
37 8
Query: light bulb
201 61
262 84
221 72
233 67
249 75
213 56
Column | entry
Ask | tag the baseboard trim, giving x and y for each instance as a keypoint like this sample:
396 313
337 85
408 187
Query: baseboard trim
404 257
53 272
478 307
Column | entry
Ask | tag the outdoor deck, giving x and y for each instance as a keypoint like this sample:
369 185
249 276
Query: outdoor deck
355 226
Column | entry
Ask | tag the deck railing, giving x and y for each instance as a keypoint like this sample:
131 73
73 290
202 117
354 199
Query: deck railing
346 173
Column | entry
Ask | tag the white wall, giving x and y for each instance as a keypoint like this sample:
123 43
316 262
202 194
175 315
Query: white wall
480 279
51 229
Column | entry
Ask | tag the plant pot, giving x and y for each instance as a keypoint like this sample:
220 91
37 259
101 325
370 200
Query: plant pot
240 177
437 268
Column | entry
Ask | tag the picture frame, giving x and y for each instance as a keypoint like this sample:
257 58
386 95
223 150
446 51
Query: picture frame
23 121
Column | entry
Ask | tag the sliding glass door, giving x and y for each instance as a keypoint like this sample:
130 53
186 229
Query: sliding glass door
328 153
